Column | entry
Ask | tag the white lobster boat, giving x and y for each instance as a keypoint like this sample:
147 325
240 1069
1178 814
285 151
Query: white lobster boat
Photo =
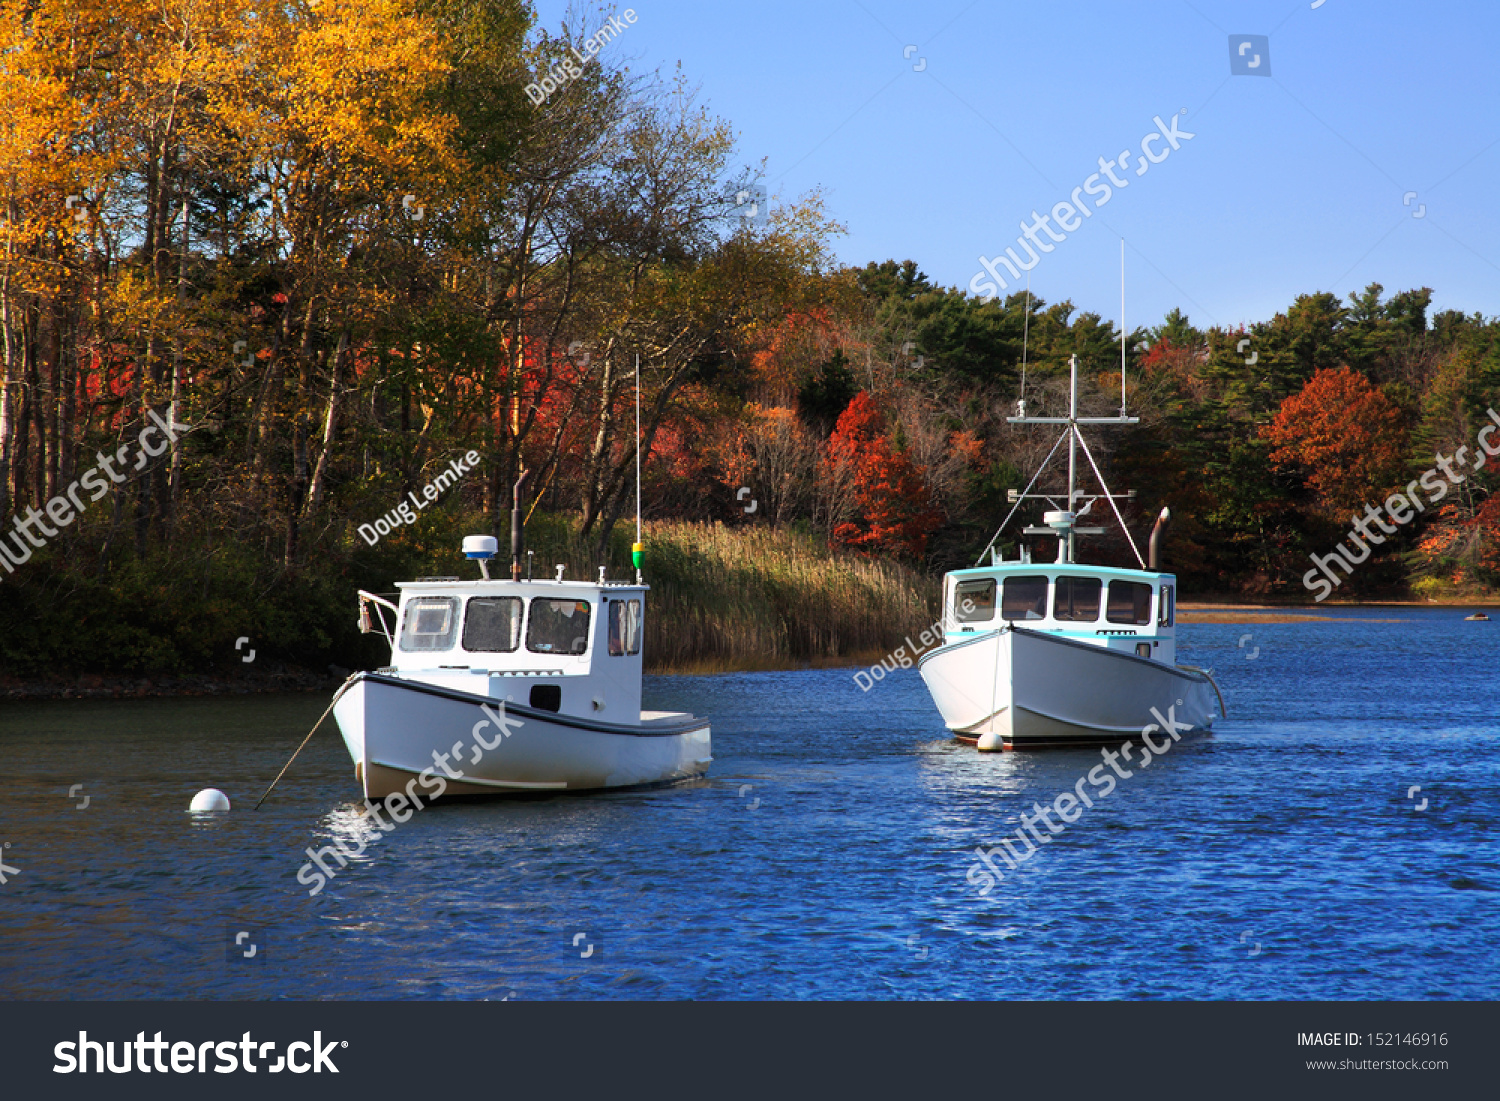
1064 653
500 687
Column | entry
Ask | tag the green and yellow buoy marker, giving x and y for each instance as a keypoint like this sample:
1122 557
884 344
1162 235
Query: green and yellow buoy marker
637 554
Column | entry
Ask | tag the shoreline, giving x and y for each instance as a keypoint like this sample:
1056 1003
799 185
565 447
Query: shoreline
1228 606
92 686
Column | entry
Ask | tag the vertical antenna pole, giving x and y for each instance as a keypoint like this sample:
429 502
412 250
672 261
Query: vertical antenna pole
1025 341
638 550
1072 444
1122 326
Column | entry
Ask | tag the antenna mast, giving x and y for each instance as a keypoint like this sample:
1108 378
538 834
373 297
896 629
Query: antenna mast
1122 326
1025 342
1061 522
637 549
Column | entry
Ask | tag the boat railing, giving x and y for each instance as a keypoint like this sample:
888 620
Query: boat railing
1209 674
365 627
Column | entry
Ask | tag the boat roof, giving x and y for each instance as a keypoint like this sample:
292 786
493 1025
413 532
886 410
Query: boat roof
1083 569
537 587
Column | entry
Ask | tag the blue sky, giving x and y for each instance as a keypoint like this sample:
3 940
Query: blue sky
1292 183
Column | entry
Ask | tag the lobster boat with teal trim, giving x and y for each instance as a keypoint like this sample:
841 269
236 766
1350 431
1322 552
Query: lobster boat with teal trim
1065 653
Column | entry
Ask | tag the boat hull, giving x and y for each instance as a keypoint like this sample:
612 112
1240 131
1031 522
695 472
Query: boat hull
1028 689
397 730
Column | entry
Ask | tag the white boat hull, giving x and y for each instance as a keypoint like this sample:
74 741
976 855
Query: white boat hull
1030 689
396 728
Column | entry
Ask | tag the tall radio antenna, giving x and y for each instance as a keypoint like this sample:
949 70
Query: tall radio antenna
1025 340
1122 326
638 549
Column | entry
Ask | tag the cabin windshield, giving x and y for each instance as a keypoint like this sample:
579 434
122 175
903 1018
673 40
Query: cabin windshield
492 624
558 627
430 624
1077 599
974 601
1024 598
1129 602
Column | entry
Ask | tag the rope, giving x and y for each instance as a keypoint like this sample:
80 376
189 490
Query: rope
336 697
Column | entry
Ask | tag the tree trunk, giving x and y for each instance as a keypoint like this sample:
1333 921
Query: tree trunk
592 488
330 424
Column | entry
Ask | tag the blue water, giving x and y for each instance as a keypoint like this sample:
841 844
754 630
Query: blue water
825 856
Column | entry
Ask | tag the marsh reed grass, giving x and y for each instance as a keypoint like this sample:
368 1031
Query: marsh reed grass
751 597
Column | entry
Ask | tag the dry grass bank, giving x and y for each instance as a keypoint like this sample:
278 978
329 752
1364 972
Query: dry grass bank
753 597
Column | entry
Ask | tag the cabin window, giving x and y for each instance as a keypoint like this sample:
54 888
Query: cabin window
1024 598
430 624
558 627
624 627
492 624
1164 607
1077 599
1129 602
974 601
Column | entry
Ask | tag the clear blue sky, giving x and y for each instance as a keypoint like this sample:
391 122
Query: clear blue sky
1293 183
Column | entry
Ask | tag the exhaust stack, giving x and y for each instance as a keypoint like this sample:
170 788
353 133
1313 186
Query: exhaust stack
1158 533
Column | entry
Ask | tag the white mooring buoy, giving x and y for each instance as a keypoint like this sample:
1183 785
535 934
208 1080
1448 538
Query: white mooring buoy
989 742
209 799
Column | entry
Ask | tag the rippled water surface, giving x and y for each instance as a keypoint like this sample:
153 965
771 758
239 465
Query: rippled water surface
825 856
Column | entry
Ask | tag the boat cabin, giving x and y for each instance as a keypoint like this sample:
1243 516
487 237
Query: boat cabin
572 647
1128 610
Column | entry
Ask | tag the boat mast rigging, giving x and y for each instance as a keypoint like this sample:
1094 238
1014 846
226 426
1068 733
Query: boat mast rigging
1061 522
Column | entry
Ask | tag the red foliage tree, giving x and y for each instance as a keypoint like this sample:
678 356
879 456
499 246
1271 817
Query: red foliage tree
893 498
1179 364
1346 436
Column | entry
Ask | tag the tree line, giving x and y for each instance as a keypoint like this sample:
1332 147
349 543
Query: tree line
338 245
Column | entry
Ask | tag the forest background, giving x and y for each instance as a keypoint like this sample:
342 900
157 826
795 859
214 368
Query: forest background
341 246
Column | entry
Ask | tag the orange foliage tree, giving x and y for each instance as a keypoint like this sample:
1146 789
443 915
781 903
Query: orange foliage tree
894 502
1346 437
1463 549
